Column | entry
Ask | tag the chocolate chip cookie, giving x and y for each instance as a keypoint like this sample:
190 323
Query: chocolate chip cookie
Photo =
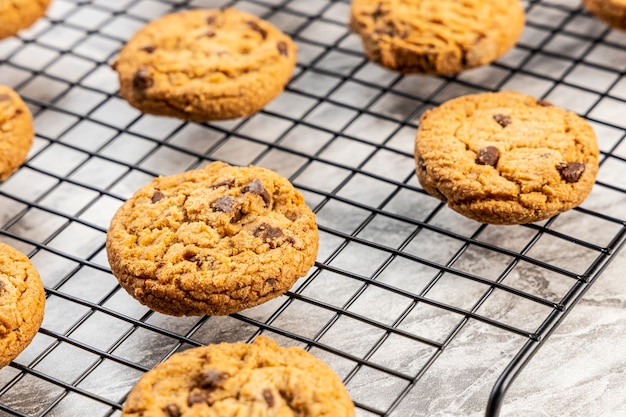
20 14
506 158
22 301
212 241
16 132
238 379
612 12
204 65
436 36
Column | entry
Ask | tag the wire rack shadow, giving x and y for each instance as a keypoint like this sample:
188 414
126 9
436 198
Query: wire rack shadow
420 311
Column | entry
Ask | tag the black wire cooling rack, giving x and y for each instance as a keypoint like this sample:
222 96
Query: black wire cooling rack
420 311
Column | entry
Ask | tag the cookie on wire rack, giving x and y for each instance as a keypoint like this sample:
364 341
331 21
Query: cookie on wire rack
212 241
238 379
20 14
16 132
506 158
22 303
436 36
204 65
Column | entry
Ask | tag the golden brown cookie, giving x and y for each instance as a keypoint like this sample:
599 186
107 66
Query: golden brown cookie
436 36
22 301
212 241
20 14
205 65
260 379
612 12
506 158
16 132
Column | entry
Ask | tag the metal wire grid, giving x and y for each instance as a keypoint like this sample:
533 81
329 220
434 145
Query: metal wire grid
413 305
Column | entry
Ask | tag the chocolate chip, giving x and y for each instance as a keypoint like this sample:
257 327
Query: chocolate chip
255 27
272 283
211 379
268 234
190 256
571 171
292 215
384 31
544 103
142 79
502 119
421 164
210 20
488 156
378 13
256 187
5 97
149 49
237 215
209 34
224 204
282 48
268 397
198 397
226 183
172 410
157 196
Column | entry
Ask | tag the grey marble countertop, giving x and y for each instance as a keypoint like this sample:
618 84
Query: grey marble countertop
581 369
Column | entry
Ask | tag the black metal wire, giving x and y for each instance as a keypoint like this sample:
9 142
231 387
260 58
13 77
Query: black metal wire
598 255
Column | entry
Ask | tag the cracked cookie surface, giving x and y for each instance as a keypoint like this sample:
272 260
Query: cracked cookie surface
16 132
22 301
260 379
612 12
20 14
436 36
506 158
204 65
212 241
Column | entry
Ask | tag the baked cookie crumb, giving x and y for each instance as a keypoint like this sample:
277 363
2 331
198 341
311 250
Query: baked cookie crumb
22 302
436 36
506 158
238 379
204 65
212 241
16 132
20 14
612 12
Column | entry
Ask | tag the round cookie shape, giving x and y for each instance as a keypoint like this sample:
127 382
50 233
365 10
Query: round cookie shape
612 12
436 36
20 14
16 132
22 301
238 379
212 241
204 65
506 158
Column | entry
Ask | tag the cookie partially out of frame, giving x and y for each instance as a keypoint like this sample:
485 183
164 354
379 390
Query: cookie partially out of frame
237 379
212 241
612 12
204 65
16 131
436 36
506 158
22 301
19 14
